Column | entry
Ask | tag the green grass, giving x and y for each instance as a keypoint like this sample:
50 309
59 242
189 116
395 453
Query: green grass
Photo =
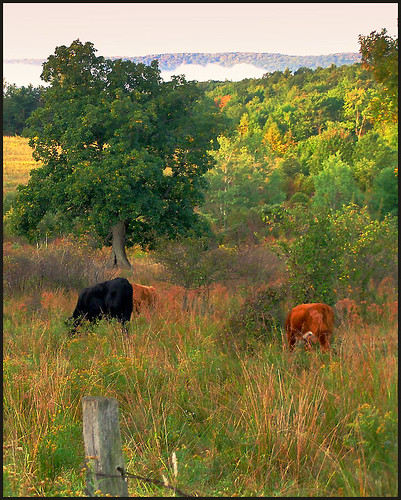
266 423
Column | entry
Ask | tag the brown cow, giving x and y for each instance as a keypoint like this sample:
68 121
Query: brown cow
310 323
143 296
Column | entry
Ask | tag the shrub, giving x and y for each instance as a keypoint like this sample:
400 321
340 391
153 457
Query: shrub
255 265
334 252
64 263
192 263
8 201
299 197
260 317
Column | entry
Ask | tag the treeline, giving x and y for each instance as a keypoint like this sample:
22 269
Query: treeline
18 104
321 136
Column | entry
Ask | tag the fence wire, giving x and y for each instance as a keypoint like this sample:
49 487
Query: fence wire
124 474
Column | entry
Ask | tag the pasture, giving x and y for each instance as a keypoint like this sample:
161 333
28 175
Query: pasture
244 419
198 376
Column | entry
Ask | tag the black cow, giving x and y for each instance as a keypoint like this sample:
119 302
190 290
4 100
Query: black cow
110 299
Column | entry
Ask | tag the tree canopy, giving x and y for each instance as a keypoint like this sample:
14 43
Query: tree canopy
123 153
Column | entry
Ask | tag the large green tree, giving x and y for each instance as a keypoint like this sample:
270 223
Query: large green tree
123 152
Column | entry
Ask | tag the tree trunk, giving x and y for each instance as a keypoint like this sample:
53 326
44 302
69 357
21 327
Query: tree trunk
118 255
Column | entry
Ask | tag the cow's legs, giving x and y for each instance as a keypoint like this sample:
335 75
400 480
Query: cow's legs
324 341
291 338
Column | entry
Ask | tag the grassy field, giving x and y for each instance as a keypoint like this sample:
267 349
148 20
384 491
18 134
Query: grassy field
17 162
243 416
254 421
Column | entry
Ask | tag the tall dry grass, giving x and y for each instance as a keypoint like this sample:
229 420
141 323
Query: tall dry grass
259 422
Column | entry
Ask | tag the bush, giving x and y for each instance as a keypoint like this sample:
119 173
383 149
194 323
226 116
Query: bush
300 198
65 263
331 253
192 262
8 201
260 317
256 265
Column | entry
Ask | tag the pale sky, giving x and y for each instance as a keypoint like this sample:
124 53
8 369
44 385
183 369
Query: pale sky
34 30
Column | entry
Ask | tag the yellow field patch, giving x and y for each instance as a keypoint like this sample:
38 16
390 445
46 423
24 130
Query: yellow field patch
17 162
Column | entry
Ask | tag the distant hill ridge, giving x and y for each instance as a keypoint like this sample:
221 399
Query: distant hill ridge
267 61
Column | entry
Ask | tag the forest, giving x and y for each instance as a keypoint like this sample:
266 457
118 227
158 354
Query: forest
236 201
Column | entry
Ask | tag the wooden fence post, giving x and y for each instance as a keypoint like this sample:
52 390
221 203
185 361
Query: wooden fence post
103 449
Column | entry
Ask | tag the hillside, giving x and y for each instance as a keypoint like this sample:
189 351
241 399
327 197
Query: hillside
269 62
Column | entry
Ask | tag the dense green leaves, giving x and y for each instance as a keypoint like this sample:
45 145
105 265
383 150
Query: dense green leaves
385 193
286 131
335 185
333 252
307 247
117 144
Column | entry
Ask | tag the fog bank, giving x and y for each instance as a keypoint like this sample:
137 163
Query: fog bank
24 74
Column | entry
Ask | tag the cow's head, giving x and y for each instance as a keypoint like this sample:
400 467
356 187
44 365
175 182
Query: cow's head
309 337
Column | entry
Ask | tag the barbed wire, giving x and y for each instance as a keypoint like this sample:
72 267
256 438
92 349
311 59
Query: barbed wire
124 474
